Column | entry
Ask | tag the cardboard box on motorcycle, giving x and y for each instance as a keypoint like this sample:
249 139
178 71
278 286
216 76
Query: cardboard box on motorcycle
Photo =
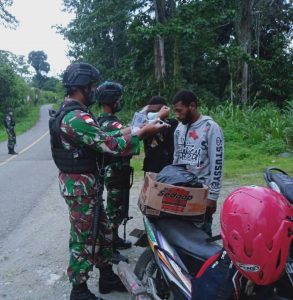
158 198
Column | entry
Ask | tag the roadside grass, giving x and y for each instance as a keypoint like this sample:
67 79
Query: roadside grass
248 166
25 121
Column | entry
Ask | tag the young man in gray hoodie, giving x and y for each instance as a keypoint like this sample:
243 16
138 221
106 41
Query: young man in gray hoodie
199 144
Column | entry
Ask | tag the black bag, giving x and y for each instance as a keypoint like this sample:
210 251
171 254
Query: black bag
275 176
178 175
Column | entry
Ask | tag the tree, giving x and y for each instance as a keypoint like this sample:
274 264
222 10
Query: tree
218 48
6 18
13 89
17 62
98 33
38 60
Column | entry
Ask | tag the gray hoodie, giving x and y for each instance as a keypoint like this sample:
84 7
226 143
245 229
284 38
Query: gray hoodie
201 146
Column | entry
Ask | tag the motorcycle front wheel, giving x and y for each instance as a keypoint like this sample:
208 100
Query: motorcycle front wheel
146 267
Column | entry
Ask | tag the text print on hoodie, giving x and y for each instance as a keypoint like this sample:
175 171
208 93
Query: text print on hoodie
201 146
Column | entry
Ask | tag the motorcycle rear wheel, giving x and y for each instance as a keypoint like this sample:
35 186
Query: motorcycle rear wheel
147 267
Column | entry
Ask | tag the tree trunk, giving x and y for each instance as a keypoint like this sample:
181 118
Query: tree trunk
159 43
231 80
176 61
159 49
247 6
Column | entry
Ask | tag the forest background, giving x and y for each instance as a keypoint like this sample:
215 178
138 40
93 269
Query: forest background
236 55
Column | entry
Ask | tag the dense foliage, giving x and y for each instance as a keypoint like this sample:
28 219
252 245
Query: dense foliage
222 49
17 89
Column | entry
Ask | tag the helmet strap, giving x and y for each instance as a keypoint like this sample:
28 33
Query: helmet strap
86 94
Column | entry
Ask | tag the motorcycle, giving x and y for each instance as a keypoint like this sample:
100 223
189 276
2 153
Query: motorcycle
177 251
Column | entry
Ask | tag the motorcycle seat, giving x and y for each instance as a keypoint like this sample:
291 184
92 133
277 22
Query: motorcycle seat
185 236
285 184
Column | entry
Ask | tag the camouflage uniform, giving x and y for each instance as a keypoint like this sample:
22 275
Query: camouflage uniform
9 124
114 174
80 193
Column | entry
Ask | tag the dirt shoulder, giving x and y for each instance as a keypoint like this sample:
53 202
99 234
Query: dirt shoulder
33 258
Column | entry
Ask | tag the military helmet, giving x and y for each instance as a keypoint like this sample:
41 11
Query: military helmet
8 110
109 92
80 74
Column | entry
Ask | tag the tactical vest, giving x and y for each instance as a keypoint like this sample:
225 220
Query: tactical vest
108 159
79 160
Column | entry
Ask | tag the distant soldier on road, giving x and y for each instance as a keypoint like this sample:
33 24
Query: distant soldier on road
9 124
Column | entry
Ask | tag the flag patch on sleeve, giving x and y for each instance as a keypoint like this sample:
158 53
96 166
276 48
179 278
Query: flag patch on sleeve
88 119
117 125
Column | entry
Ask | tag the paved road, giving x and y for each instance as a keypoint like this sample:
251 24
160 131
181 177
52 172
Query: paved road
23 178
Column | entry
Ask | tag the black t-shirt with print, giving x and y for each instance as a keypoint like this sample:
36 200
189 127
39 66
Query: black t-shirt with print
159 149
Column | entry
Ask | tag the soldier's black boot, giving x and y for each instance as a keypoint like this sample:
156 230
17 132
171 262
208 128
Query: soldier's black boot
117 257
12 152
109 281
120 243
81 292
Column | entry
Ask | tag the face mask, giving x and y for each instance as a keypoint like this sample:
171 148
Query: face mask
152 115
118 105
91 98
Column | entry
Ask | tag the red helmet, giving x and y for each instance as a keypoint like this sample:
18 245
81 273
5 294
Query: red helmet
257 230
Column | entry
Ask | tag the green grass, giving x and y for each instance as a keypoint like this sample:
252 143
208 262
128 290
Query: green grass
249 170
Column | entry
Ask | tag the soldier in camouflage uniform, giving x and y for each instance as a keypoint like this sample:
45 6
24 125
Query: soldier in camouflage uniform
9 124
117 170
76 140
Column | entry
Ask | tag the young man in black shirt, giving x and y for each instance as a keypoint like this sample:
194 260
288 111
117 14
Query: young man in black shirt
160 147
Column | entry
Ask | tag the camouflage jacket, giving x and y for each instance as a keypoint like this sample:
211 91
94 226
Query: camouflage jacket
112 125
9 121
83 130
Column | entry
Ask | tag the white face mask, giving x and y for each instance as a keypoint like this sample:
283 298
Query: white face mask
152 115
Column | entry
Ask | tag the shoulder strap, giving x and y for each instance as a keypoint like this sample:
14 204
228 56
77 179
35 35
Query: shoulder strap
68 107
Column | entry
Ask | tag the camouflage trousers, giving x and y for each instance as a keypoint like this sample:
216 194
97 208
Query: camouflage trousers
115 181
80 243
11 138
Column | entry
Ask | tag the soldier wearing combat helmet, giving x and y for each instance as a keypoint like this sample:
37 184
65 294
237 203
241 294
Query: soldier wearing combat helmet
76 142
117 170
